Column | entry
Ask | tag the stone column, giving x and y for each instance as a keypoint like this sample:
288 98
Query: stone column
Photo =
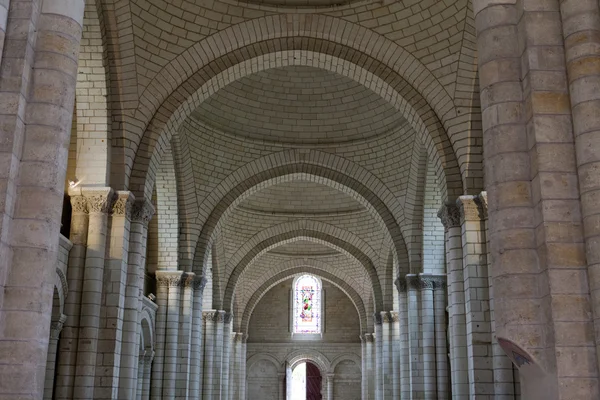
415 339
378 336
38 87
387 359
440 298
99 202
4 6
174 281
395 348
67 357
113 298
208 319
237 378
403 351
330 382
197 348
581 32
450 217
140 377
147 374
369 370
364 383
162 296
185 335
218 366
226 362
288 382
141 213
243 369
476 286
56 327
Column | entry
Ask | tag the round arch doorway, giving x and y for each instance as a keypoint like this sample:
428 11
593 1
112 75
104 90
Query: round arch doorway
306 382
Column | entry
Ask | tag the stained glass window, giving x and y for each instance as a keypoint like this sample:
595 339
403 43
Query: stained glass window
307 305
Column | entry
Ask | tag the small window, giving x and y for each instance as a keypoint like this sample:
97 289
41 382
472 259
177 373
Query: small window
307 305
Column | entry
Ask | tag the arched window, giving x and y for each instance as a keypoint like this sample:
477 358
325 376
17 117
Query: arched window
306 315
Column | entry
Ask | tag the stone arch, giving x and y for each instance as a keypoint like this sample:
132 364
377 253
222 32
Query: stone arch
304 267
314 356
313 165
61 289
265 357
328 235
346 357
166 101
146 322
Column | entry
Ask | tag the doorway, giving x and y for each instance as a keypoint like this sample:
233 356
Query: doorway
306 382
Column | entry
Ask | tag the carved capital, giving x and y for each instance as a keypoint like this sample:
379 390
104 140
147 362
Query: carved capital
378 319
238 337
99 200
56 326
79 204
123 204
368 338
401 285
449 214
394 316
426 282
208 315
199 283
470 209
386 317
169 278
482 202
227 317
187 280
142 211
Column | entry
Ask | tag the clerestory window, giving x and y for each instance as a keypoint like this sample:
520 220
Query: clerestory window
307 305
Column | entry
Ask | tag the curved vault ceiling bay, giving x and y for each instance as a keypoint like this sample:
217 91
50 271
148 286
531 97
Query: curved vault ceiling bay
298 107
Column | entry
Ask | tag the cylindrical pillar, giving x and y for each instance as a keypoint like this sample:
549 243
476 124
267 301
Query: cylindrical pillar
581 31
208 319
160 327
441 349
330 383
99 202
370 364
185 335
67 357
280 387
140 376
378 336
403 354
197 348
288 382
173 280
141 214
243 369
147 375
428 350
226 362
36 131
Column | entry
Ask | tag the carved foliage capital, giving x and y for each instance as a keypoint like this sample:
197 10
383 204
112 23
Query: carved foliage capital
449 214
400 285
79 205
470 209
199 283
142 211
123 204
100 201
368 338
169 278
426 282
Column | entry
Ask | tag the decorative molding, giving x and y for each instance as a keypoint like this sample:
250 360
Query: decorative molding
208 315
56 326
187 280
394 316
142 211
449 214
123 204
368 338
215 316
63 282
238 337
227 317
386 317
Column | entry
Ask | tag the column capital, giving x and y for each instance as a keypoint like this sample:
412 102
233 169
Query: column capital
99 200
199 282
227 317
214 316
56 326
142 211
239 337
425 281
469 207
330 377
169 278
449 214
367 337
123 204
401 285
